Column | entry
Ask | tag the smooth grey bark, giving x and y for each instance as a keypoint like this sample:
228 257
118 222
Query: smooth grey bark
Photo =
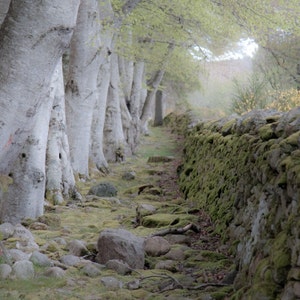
114 140
81 87
136 101
4 5
126 69
25 196
115 146
60 181
33 37
158 111
153 86
96 152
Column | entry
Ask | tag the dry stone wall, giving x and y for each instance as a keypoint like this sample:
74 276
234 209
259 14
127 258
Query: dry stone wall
245 172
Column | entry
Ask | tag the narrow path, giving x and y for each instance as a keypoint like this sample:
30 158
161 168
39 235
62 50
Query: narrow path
196 267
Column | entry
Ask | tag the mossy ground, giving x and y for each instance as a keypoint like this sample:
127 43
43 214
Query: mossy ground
86 219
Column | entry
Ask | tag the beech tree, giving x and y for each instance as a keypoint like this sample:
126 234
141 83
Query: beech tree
29 55
81 86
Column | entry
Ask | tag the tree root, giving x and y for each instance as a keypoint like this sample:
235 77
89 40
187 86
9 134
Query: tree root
175 284
181 230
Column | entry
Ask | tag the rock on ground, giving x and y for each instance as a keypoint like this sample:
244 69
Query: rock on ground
104 189
122 245
157 246
23 269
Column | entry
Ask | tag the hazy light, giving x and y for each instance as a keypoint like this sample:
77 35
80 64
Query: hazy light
245 47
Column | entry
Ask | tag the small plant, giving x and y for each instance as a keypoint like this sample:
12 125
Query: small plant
284 100
250 95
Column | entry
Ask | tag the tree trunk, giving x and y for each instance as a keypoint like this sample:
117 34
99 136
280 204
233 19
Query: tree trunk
25 196
97 155
60 181
4 5
126 69
158 112
114 140
149 102
153 86
96 152
136 101
81 88
33 37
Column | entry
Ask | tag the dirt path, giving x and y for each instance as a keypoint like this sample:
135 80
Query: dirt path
197 267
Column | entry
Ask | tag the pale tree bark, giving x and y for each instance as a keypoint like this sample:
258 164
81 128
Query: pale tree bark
136 101
81 87
96 152
153 86
4 5
25 196
33 37
126 69
60 181
158 110
114 140
118 118
127 124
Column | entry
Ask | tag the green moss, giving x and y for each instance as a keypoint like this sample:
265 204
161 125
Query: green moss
262 290
162 220
222 293
213 137
281 180
212 255
293 139
5 181
263 271
280 253
266 132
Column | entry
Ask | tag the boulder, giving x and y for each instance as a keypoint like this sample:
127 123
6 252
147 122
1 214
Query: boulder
17 255
122 245
104 189
40 259
5 271
77 248
91 269
70 260
55 272
119 266
157 246
23 269
129 175
7 230
25 239
111 283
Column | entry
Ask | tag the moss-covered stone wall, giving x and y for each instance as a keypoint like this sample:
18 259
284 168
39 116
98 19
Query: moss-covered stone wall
245 172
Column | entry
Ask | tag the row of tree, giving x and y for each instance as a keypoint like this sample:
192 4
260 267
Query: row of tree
78 82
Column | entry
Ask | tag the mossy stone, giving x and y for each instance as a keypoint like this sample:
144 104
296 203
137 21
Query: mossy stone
266 132
263 271
293 139
262 290
164 219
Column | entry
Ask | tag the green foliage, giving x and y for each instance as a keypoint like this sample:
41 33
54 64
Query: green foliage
149 31
254 94
249 95
262 18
